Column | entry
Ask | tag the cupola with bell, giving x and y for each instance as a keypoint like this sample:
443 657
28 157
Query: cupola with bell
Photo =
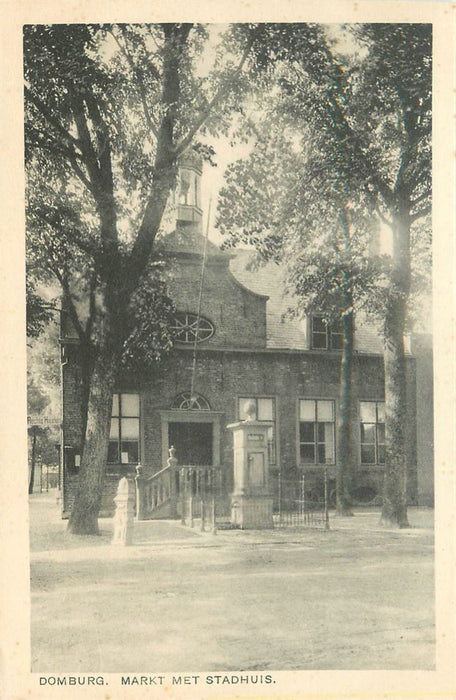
189 211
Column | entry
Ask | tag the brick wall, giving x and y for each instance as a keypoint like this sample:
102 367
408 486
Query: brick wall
239 315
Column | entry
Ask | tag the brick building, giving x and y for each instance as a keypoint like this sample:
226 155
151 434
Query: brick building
244 350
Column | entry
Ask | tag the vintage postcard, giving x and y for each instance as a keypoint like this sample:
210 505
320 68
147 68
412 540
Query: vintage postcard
228 339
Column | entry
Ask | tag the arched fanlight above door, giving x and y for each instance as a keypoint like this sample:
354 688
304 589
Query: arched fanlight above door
191 402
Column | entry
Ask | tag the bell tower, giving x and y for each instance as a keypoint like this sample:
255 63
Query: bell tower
189 211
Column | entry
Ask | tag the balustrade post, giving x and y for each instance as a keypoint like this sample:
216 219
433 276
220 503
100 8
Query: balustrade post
140 493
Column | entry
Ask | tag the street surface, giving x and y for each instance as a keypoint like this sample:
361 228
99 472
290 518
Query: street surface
356 597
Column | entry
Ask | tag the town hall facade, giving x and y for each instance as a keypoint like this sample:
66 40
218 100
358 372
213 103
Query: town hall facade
233 347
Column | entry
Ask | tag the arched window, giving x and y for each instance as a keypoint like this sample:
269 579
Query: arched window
186 327
194 402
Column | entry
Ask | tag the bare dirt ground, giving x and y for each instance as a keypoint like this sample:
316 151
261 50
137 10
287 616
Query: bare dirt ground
356 597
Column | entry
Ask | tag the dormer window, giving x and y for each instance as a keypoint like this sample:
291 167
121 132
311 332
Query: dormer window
326 336
186 328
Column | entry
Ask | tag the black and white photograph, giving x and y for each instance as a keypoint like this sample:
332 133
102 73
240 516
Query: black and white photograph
235 451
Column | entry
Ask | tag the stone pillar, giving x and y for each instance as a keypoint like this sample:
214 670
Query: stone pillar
251 501
171 463
124 515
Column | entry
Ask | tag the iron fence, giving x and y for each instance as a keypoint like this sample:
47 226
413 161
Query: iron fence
299 506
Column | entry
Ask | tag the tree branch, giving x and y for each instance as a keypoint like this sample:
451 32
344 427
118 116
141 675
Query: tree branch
150 122
422 212
70 307
49 117
186 141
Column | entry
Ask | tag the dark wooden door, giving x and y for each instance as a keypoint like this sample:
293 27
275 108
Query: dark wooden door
193 442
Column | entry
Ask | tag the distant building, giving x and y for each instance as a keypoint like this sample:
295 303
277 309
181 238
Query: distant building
246 350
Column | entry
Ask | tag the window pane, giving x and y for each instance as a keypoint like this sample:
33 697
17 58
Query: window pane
325 410
129 451
318 325
319 341
130 404
325 443
113 452
114 429
307 454
381 432
367 411
381 412
265 409
368 433
129 428
271 445
337 341
307 410
381 454
368 454
306 432
242 403
321 454
115 405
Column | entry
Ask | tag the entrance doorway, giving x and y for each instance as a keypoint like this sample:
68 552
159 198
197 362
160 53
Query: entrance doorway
192 441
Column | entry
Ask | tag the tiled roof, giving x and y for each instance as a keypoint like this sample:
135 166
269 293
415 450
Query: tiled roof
285 332
189 240
268 279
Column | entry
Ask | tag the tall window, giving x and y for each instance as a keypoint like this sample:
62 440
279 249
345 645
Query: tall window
316 431
124 432
326 336
372 416
265 412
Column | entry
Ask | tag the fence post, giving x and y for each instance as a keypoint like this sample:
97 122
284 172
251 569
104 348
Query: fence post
190 475
183 490
279 489
201 477
213 508
326 501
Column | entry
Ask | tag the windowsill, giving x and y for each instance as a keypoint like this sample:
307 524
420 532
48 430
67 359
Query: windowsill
316 466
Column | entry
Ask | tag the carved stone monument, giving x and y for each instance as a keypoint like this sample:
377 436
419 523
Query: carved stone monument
124 515
251 501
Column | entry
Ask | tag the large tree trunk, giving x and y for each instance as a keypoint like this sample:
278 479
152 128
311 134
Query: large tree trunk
344 477
84 514
394 511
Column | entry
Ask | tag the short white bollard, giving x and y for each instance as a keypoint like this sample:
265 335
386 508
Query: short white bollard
124 515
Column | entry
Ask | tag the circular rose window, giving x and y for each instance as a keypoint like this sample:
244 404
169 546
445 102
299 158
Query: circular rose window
186 328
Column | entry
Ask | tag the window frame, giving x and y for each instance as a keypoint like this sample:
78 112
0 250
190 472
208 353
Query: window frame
181 402
186 325
272 444
377 443
316 442
330 333
119 418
